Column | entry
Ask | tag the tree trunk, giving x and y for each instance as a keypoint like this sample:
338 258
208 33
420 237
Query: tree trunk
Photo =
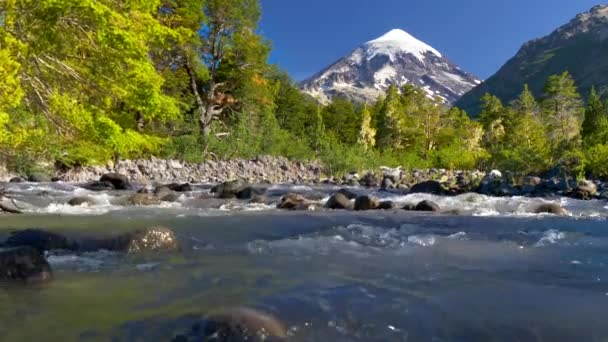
201 109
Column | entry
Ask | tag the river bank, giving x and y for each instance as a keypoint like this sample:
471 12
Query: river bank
279 170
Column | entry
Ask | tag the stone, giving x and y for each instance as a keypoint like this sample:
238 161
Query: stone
428 187
386 205
172 197
250 192
409 207
237 325
118 181
550 208
338 201
154 239
38 177
228 189
366 203
23 264
387 183
294 201
39 239
185 187
16 180
79 201
348 193
13 206
427 206
99 186
143 200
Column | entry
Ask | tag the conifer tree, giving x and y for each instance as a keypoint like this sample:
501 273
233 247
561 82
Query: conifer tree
562 111
595 113
389 120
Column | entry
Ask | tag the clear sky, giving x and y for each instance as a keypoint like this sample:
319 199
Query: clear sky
478 35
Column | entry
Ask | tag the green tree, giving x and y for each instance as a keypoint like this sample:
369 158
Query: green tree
367 133
390 119
341 120
595 113
562 112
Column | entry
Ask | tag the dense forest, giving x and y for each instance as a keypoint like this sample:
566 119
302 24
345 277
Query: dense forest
87 81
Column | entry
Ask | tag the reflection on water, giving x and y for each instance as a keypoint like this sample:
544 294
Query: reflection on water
329 276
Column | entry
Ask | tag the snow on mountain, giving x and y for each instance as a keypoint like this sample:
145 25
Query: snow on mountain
394 58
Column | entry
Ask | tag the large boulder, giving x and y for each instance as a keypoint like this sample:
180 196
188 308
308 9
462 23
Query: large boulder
38 177
118 181
348 193
338 201
427 206
237 325
228 189
11 206
99 186
366 203
16 180
429 187
294 201
185 187
386 205
79 201
585 190
155 239
39 239
143 200
23 264
550 208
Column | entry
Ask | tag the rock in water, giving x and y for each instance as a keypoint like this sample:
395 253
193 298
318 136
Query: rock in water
386 205
250 192
237 325
429 187
155 239
10 205
348 193
228 189
366 203
293 201
39 239
78 201
23 264
186 187
143 200
338 201
118 181
550 208
427 206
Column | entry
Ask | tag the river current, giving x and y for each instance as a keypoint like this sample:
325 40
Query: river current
484 269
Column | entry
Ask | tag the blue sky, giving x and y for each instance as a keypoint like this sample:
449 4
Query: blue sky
478 35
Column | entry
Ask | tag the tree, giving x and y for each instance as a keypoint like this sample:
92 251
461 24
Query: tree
230 47
390 120
595 113
562 111
341 119
367 134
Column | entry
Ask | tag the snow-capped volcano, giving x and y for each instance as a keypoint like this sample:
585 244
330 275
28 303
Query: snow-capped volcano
394 58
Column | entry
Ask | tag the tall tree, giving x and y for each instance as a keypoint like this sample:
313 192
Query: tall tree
595 112
390 119
367 133
562 110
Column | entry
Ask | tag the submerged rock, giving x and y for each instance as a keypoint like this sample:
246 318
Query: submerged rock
294 201
118 181
250 192
143 200
386 205
23 264
78 201
338 201
427 206
228 189
550 208
155 239
13 206
366 203
429 187
40 240
237 325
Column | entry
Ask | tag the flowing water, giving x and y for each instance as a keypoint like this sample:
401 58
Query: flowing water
486 270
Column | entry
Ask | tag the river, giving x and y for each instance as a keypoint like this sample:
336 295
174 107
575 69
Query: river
483 270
